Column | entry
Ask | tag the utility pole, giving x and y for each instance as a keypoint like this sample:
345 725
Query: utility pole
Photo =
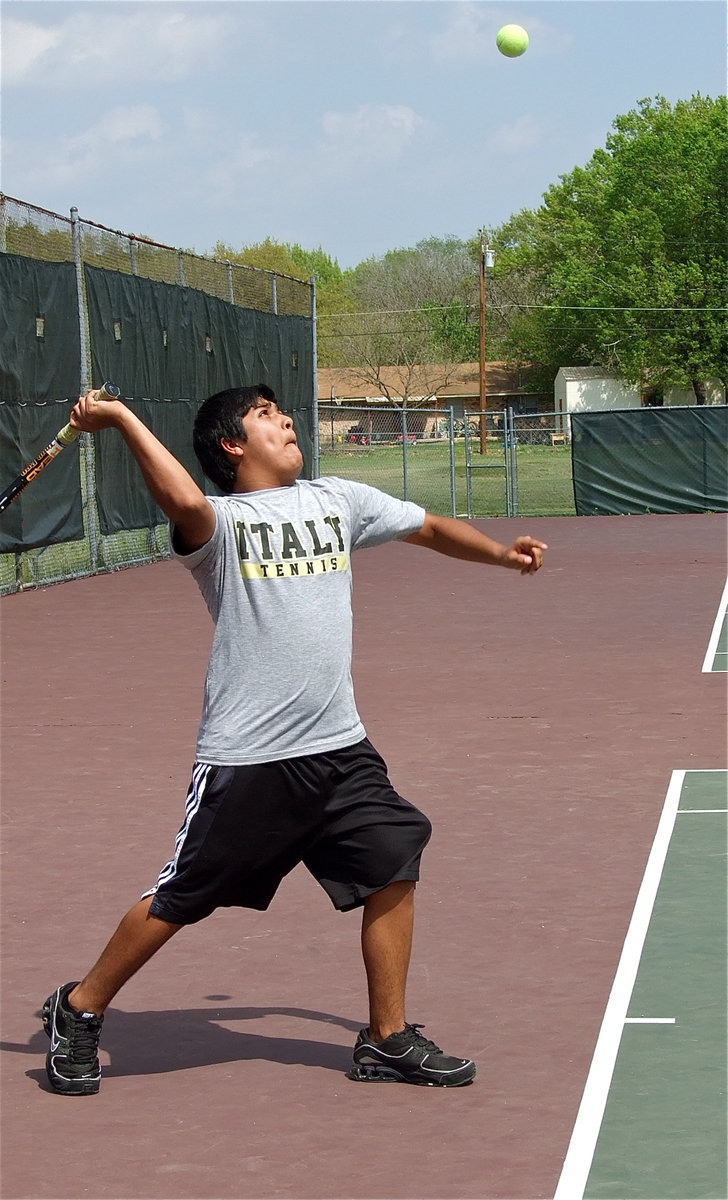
486 259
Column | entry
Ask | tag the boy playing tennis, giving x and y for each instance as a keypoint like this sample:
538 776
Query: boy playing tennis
284 772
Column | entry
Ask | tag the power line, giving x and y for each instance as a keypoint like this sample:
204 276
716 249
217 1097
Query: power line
436 329
390 312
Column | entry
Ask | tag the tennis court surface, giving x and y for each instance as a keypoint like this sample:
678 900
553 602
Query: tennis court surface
569 744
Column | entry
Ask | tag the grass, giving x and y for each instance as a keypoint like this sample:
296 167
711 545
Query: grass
543 477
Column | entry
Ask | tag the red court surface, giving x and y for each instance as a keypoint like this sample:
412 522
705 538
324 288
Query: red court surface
536 721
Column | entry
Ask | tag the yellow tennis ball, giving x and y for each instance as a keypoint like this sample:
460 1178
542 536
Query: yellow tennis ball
512 40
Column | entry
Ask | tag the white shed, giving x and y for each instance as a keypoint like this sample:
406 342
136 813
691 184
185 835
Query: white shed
588 389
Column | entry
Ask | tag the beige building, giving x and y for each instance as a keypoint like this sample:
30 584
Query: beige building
432 386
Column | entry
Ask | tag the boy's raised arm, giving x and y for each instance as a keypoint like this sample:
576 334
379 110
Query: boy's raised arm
173 488
458 539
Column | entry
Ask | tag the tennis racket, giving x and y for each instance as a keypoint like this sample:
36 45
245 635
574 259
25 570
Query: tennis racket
65 437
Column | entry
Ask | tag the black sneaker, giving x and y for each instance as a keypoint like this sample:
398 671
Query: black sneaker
72 1062
408 1057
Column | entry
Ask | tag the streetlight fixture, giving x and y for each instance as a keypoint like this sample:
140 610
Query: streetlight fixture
487 259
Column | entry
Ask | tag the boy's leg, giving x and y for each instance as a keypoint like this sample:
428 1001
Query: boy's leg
386 939
390 1049
73 1015
135 941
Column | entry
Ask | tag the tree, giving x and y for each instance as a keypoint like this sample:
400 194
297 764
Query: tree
626 259
331 289
411 310
268 255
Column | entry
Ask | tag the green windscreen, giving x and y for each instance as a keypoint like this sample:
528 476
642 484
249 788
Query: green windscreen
650 460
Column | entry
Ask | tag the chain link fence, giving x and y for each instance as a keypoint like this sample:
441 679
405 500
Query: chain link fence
405 452
36 233
481 465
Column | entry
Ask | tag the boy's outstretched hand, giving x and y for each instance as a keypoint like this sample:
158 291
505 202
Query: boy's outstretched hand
460 539
525 555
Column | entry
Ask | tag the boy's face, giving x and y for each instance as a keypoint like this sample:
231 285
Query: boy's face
271 457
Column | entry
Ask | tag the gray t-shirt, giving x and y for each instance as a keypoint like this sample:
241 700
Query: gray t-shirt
276 578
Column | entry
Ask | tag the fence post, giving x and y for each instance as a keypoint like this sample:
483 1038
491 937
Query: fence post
87 448
509 434
404 453
468 480
453 497
314 383
85 373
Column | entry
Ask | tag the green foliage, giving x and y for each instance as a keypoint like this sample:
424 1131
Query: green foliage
425 297
49 245
331 282
324 269
627 255
268 255
455 330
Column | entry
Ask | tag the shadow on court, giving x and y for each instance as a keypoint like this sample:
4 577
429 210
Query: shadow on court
146 1043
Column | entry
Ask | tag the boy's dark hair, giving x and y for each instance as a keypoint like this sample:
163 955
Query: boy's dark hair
221 416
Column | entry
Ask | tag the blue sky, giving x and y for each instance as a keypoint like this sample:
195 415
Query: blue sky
355 125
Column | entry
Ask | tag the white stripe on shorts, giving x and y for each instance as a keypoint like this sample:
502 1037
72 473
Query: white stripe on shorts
193 801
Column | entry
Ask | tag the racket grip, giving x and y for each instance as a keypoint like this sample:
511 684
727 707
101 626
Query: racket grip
67 435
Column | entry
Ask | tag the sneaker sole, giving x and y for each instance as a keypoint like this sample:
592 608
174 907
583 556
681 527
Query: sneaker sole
72 1087
370 1073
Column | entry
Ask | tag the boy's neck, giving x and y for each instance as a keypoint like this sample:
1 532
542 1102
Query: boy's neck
261 481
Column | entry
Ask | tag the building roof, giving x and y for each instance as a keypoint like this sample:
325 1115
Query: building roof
576 374
463 380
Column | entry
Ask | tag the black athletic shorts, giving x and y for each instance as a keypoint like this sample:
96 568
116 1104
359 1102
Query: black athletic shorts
246 827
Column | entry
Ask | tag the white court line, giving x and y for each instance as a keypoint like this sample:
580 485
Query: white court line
688 812
650 1020
715 635
580 1154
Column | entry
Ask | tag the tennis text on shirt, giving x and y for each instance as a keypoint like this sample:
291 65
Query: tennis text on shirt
268 551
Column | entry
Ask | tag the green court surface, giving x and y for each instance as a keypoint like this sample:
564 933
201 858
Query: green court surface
652 1125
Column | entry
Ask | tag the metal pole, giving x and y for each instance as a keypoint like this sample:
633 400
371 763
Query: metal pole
483 397
84 369
468 470
229 272
404 453
87 448
314 385
511 465
273 295
511 482
453 496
